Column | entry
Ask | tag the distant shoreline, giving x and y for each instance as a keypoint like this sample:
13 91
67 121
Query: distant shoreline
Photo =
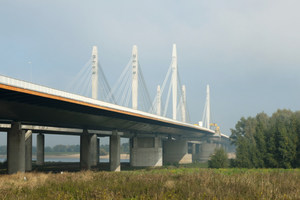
72 156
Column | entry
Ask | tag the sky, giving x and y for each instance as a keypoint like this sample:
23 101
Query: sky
246 51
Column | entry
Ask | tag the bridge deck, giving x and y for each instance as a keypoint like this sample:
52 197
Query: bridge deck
39 105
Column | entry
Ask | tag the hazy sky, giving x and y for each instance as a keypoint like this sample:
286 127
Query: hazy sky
247 51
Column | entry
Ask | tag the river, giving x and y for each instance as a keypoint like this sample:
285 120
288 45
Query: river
70 160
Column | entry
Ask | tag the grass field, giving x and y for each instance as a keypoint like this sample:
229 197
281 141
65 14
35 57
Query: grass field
168 182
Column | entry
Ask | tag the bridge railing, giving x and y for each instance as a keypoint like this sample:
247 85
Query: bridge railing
47 90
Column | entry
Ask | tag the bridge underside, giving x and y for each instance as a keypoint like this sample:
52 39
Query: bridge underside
24 112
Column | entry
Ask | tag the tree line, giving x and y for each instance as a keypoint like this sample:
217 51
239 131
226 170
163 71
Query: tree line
104 149
267 142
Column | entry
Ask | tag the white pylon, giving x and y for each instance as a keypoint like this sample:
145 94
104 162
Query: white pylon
206 113
174 81
135 77
158 101
95 73
183 108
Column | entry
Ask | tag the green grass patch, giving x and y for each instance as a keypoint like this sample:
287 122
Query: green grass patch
155 183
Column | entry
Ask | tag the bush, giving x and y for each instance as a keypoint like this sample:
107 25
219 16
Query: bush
219 159
3 164
103 152
232 163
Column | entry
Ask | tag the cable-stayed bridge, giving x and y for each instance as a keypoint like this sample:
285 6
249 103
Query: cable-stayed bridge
97 110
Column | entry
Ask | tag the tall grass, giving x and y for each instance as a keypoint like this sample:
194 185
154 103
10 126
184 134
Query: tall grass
163 183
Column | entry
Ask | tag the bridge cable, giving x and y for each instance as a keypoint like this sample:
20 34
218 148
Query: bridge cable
88 63
85 85
168 97
119 80
123 84
82 81
106 84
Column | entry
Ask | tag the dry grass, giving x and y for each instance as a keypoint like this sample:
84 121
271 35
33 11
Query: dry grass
180 183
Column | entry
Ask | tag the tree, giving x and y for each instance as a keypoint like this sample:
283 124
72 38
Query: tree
102 152
105 147
125 147
268 141
3 150
243 137
243 158
48 149
295 126
59 148
219 159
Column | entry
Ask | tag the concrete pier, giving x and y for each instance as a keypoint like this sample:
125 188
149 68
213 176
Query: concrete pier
15 149
114 153
40 149
196 152
85 149
176 151
98 150
94 154
28 150
206 150
145 151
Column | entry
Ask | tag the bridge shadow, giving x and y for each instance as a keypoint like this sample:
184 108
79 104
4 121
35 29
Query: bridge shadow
58 167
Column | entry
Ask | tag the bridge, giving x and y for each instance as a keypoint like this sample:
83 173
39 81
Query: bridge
28 108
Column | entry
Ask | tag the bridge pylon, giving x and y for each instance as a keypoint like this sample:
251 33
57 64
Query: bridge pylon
135 77
206 114
95 73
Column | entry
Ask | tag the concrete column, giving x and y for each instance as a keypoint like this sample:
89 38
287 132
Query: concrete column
94 153
194 154
28 150
157 142
130 151
198 146
206 150
98 150
40 148
146 152
193 148
15 149
114 152
135 142
85 149
176 151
